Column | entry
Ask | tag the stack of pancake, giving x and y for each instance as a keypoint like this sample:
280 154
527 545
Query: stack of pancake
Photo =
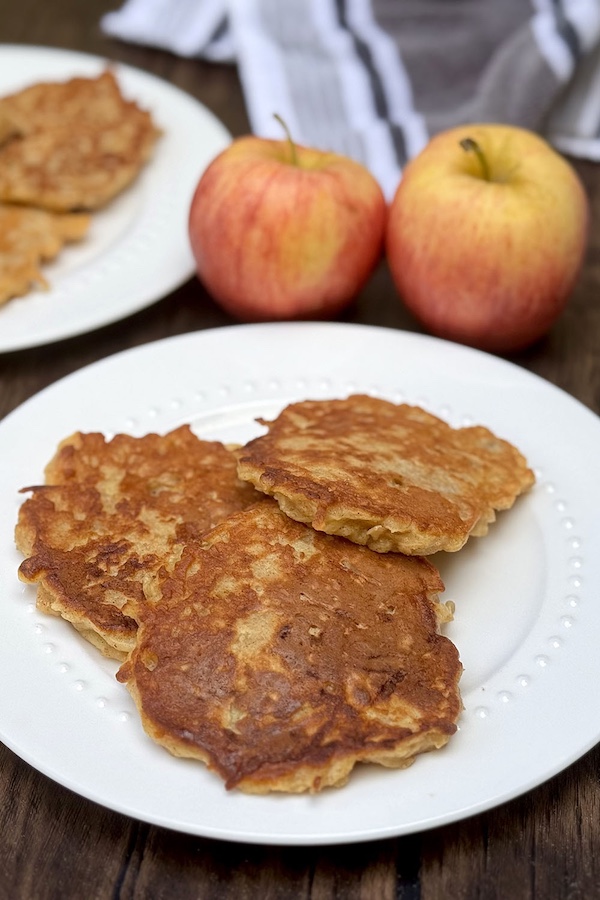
272 605
66 148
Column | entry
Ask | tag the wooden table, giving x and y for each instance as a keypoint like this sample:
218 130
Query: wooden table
54 844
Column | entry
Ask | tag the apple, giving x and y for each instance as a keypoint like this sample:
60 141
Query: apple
282 231
486 236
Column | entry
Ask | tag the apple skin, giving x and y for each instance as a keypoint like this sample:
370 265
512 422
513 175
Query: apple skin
490 263
278 238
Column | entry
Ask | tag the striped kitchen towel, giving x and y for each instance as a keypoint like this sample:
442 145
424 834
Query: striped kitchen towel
374 79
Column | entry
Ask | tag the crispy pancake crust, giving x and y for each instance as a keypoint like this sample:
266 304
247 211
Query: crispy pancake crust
111 515
77 144
9 127
29 237
281 657
391 477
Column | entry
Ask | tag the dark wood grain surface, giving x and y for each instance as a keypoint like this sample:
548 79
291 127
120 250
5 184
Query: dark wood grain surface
54 844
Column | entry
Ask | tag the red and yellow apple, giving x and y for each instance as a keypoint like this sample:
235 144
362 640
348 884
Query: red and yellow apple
486 236
282 231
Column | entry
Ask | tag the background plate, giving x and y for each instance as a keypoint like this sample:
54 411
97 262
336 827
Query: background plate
137 249
527 614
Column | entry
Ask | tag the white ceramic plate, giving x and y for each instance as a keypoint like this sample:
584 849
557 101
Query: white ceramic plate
137 248
527 613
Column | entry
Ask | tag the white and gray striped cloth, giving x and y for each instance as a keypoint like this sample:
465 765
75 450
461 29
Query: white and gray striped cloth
374 79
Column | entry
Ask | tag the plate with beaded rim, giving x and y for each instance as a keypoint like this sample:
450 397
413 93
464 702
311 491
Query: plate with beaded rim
526 611
137 248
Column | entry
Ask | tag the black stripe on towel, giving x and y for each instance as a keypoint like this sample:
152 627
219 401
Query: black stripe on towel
363 53
566 30
220 29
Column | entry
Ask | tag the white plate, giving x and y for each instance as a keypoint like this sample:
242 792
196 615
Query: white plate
527 613
137 249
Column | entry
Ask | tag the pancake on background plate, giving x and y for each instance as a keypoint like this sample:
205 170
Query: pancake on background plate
29 237
72 145
281 656
112 515
393 477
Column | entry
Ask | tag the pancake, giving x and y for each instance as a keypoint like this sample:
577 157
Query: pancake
281 657
78 143
112 515
393 477
29 237
9 127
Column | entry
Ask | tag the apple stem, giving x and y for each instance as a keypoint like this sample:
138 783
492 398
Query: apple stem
469 144
289 137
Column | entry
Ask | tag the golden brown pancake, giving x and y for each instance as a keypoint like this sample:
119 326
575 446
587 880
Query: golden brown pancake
9 127
29 237
79 143
281 657
112 515
391 477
